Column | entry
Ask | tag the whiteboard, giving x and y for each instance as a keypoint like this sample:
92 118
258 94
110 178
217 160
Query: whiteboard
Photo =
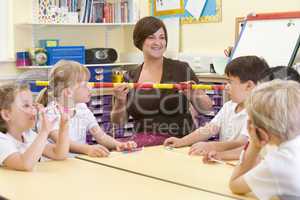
275 40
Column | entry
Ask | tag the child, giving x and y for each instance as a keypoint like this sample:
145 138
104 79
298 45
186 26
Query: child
274 118
20 147
231 121
68 87
280 72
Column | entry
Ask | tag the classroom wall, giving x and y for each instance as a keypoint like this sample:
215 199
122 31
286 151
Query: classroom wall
213 38
20 10
210 38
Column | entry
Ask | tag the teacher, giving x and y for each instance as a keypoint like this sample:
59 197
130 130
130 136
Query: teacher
158 113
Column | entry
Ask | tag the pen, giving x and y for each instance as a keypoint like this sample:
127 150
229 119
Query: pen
133 150
222 162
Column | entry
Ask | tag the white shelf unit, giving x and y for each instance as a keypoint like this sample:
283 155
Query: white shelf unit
91 35
75 24
102 35
87 65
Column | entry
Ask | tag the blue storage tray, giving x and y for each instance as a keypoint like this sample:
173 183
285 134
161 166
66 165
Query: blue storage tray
76 53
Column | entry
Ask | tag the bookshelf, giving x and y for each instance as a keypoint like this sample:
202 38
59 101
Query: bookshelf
86 11
87 65
112 34
103 34
41 25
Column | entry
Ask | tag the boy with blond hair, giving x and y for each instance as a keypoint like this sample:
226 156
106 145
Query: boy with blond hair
273 109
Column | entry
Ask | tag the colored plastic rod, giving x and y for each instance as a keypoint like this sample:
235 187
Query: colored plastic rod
177 86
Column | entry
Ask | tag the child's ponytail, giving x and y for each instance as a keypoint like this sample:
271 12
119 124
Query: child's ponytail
42 97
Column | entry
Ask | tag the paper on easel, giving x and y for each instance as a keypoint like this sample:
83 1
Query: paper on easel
195 7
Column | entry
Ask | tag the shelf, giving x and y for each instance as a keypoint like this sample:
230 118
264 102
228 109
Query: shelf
111 64
211 77
77 24
87 65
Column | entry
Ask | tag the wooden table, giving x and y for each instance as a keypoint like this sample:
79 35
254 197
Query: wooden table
174 166
75 179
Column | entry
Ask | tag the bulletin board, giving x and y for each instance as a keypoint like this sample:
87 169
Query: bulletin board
212 12
167 7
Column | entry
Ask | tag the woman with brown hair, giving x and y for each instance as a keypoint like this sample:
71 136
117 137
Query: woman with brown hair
158 113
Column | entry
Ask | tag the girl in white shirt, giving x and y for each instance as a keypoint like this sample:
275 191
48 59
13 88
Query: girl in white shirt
20 147
274 119
68 87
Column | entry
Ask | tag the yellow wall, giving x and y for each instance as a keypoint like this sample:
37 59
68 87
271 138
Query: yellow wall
214 37
209 38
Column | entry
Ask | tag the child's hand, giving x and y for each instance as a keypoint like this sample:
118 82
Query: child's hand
210 156
64 115
46 126
208 130
122 146
258 137
201 148
173 142
97 151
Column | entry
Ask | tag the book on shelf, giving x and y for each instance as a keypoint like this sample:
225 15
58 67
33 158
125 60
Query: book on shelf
102 11
88 11
72 5
124 11
106 13
97 12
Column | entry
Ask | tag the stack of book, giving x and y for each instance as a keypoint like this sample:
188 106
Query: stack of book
102 11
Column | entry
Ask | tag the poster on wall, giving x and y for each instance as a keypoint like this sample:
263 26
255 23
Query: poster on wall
188 11
167 7
211 12
195 7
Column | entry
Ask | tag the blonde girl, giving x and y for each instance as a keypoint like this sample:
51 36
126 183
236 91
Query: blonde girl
68 87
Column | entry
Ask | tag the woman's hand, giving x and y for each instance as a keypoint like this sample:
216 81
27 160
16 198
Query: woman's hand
198 98
189 92
120 92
